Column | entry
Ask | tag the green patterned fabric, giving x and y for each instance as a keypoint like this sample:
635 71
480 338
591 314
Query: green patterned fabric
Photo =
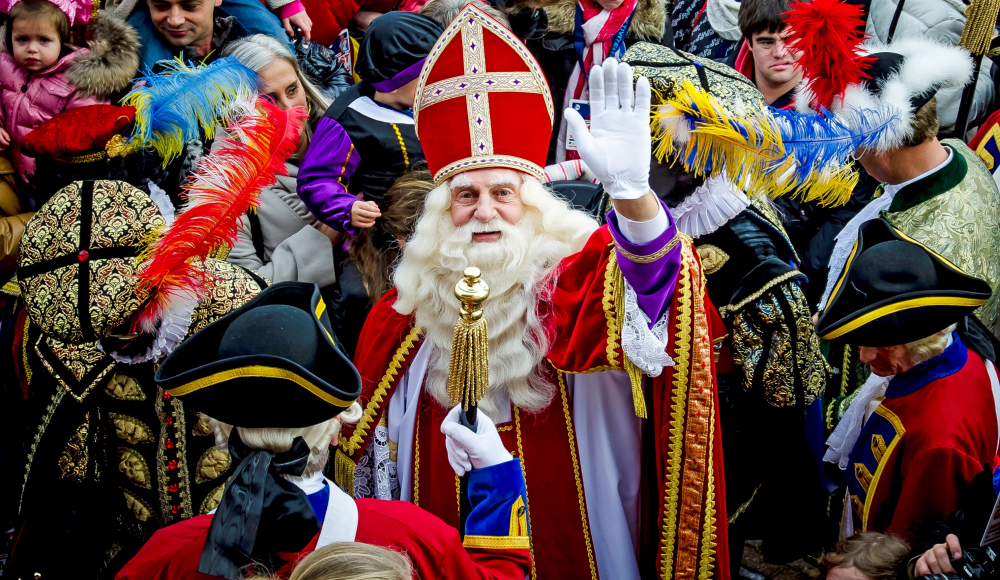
960 222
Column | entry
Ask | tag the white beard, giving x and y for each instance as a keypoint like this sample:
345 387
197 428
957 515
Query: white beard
520 269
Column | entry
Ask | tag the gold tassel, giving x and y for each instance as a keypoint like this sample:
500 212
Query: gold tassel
469 366
634 374
980 18
343 471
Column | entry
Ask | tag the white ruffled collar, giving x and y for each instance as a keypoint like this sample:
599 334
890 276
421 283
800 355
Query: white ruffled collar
711 205
171 332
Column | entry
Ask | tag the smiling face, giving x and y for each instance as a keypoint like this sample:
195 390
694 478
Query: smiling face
483 195
36 44
184 23
774 63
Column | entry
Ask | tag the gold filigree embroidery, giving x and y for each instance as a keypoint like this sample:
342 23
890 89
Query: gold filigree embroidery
130 429
351 445
133 465
576 473
712 258
124 388
173 477
140 508
416 462
50 410
73 460
608 304
212 500
212 464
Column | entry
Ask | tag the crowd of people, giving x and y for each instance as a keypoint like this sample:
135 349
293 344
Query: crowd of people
333 290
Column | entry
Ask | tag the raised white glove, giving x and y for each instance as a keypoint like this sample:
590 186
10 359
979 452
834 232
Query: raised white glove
617 148
468 450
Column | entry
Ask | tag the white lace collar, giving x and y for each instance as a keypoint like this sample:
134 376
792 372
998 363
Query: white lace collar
713 204
173 328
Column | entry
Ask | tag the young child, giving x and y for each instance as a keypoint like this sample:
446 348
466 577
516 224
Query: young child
34 67
366 139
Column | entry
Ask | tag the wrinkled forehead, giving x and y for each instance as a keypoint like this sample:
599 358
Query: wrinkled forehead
485 178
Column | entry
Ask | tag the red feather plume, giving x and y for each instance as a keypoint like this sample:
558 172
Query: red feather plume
827 32
224 186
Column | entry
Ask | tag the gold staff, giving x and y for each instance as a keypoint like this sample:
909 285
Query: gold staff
469 366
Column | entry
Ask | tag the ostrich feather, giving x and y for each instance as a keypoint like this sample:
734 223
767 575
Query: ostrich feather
819 148
827 32
185 102
693 127
225 185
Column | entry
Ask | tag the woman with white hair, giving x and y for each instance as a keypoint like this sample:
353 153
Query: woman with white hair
280 391
282 240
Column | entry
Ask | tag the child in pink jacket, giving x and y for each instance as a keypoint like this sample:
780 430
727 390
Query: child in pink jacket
33 71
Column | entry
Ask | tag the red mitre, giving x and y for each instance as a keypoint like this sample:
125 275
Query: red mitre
81 135
482 101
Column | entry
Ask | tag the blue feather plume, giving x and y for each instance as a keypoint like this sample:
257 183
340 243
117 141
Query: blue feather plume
185 102
819 147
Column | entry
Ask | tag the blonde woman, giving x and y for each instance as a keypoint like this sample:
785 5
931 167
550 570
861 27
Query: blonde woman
282 240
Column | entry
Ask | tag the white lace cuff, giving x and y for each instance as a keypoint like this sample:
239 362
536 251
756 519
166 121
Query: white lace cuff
646 347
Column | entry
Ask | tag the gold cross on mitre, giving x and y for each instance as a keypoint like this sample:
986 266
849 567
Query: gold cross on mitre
488 68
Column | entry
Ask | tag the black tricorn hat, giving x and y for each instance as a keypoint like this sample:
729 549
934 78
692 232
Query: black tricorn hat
272 363
894 290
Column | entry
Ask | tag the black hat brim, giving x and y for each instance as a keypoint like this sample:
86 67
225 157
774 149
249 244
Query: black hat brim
262 390
905 317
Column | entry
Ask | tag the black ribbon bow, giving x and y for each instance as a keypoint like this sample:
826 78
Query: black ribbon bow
260 514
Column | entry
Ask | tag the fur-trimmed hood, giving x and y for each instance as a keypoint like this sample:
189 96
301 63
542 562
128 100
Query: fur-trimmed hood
648 23
926 67
113 60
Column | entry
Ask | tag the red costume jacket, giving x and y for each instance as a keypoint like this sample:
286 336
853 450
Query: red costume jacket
935 430
683 513
434 548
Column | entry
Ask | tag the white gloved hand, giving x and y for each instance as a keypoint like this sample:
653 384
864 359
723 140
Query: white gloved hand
618 146
468 450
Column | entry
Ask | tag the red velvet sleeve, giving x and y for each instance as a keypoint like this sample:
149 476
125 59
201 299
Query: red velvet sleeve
932 485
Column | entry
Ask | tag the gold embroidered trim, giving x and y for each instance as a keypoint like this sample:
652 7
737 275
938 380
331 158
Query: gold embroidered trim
634 374
520 456
844 371
608 304
743 507
133 466
50 410
406 158
504 428
416 461
892 418
486 162
174 430
497 542
576 474
255 372
682 347
73 460
346 161
212 464
212 500
708 529
753 297
24 350
649 258
361 431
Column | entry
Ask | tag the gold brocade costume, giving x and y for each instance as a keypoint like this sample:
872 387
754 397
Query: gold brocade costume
956 213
